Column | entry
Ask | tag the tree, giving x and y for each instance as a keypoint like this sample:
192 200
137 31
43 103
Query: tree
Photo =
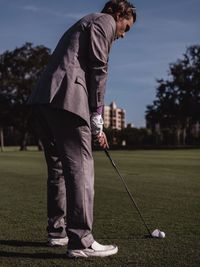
4 117
177 104
19 71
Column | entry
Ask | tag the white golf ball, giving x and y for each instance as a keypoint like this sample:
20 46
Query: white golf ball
161 234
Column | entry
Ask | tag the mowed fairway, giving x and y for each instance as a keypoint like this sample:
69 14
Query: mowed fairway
165 185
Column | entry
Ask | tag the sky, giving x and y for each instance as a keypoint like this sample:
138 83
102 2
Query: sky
163 31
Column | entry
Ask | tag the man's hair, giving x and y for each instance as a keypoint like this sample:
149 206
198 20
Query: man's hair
121 7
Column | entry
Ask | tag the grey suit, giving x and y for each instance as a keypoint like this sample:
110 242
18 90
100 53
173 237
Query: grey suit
81 58
71 87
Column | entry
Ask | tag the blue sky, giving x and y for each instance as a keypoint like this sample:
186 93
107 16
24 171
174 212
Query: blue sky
163 31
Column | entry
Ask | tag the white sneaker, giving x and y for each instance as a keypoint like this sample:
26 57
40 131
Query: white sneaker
95 250
52 242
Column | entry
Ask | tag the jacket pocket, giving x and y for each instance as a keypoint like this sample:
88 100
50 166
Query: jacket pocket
80 81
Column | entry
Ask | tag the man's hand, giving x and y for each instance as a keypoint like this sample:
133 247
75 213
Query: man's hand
96 121
97 130
102 140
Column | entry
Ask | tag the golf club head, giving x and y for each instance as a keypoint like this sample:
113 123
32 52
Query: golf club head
157 234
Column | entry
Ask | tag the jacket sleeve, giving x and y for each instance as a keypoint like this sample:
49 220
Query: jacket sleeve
102 34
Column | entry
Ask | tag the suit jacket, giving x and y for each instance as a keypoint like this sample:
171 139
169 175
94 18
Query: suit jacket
75 77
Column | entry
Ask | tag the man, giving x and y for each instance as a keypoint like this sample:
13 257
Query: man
67 104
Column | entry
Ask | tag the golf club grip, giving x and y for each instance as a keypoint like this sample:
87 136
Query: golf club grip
127 190
108 155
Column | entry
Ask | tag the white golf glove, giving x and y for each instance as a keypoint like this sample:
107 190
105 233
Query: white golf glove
96 122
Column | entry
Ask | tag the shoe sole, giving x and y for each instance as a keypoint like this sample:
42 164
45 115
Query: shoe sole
57 243
86 253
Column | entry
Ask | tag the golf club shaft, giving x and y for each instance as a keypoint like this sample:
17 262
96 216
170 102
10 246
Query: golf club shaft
127 190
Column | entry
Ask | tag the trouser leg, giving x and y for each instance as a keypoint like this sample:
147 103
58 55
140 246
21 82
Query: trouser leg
73 141
56 190
56 197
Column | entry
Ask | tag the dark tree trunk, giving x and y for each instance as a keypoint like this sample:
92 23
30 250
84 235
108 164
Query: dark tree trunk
1 139
23 143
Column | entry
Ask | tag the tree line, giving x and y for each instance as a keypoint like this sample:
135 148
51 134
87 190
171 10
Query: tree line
174 115
172 119
19 72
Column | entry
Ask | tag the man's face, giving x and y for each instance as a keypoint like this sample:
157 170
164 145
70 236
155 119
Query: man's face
122 26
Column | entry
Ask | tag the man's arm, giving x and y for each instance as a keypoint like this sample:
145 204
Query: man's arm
102 34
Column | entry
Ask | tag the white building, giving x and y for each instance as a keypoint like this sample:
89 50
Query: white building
114 117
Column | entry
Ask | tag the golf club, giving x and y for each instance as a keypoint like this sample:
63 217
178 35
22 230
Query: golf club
156 233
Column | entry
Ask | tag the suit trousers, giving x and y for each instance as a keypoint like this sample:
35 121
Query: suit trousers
66 140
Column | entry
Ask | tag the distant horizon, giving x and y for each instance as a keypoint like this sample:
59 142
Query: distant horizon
160 36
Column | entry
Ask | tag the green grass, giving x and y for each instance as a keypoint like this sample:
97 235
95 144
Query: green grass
165 185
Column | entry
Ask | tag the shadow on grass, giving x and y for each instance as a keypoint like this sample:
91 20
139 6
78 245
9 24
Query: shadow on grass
36 255
20 243
43 255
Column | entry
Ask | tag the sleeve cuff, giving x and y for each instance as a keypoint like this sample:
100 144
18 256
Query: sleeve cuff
100 110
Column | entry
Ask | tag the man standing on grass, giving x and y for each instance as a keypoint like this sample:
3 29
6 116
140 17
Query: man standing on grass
67 104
